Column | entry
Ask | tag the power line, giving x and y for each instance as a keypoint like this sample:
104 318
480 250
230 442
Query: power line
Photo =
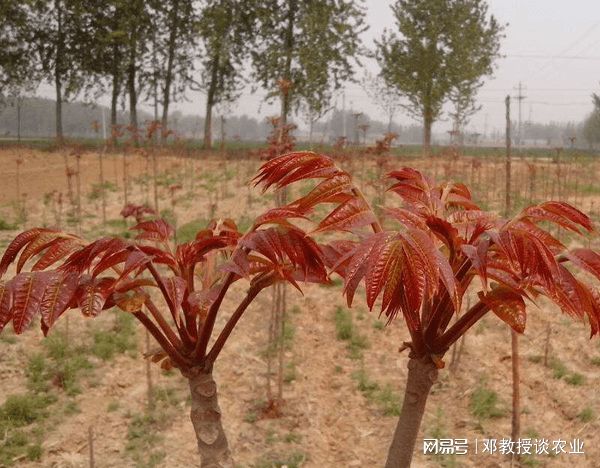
542 103
552 57
504 90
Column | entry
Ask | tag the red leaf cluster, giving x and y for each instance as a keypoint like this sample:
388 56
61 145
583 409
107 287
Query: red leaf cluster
441 240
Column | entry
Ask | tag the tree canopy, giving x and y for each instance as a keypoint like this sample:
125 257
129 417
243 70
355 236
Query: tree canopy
442 48
312 45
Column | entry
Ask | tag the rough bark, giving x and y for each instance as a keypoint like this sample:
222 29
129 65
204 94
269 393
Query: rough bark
206 419
422 374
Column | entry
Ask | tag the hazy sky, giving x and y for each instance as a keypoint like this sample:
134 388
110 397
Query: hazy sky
551 46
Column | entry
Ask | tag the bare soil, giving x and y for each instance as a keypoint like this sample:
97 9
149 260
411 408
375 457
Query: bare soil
329 420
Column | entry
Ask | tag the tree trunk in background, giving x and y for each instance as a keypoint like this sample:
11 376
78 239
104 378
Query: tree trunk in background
206 419
133 121
58 71
169 71
59 128
422 374
427 124
114 102
208 115
131 89
287 72
19 104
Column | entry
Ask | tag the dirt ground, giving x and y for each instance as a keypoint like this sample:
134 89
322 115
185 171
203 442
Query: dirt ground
339 402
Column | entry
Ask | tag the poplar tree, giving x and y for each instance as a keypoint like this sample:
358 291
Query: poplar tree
440 48
225 28
312 45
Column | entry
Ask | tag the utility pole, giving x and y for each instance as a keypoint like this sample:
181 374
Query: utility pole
514 338
519 97
485 126
356 116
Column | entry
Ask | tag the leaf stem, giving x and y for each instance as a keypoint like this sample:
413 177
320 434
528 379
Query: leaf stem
376 226
211 317
162 323
165 344
466 321
231 323
159 281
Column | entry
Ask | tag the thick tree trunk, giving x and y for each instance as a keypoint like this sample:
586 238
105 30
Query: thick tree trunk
132 99
114 102
208 122
206 418
59 128
422 374
427 124
19 103
210 101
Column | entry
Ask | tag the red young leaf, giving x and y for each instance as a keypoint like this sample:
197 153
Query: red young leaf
59 250
357 266
61 289
93 294
286 247
136 259
386 252
350 215
508 305
337 255
193 252
478 256
130 302
82 259
16 245
27 290
560 213
176 287
457 200
5 304
585 259
291 167
157 230
444 231
110 260
412 187
200 301
158 255
328 190
278 216
406 217
41 242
